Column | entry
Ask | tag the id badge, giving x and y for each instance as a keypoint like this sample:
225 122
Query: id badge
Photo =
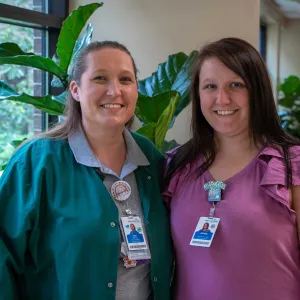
205 232
134 233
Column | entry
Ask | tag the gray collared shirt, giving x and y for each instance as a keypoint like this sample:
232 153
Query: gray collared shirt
133 283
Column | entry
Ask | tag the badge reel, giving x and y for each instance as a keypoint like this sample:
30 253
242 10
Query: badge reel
207 226
135 246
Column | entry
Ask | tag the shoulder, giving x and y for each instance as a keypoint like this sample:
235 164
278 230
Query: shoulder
273 151
273 157
274 175
36 152
148 148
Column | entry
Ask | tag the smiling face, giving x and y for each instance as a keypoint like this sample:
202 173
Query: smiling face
224 98
107 91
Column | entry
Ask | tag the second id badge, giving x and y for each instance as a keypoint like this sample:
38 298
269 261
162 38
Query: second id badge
134 236
205 232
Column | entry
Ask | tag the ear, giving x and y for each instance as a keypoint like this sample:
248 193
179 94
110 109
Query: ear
74 90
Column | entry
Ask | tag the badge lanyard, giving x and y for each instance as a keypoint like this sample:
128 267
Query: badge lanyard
206 227
135 248
214 194
121 191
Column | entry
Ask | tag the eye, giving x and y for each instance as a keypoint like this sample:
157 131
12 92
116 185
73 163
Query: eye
237 85
125 79
100 78
210 86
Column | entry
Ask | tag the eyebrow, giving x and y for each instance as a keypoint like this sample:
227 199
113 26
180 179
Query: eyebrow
124 71
206 79
236 78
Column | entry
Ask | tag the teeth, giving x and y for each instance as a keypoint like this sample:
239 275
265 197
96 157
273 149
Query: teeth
225 112
112 106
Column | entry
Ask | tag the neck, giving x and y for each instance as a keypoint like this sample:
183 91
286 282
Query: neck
235 146
108 144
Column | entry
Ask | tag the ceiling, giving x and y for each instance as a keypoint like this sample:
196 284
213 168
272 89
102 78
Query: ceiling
290 8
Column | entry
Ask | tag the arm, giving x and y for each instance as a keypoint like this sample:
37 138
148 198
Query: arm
295 193
16 220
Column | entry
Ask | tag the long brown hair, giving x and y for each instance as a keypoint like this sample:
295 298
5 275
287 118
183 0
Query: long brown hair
264 125
72 111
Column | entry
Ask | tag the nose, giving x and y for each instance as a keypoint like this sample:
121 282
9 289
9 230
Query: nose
113 88
223 97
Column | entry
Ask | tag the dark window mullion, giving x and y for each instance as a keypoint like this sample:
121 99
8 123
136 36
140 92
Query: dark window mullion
29 18
58 8
263 41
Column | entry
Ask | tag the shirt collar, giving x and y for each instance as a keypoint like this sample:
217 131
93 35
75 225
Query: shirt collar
84 155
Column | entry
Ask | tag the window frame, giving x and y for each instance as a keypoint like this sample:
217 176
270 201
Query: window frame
263 40
50 23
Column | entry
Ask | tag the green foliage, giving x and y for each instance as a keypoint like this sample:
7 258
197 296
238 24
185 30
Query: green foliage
16 117
10 53
149 109
70 31
290 105
162 96
45 103
172 75
165 120
156 131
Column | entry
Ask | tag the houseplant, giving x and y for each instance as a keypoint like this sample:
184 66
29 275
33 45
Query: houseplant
289 111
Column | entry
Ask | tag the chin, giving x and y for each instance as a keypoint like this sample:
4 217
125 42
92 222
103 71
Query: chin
113 123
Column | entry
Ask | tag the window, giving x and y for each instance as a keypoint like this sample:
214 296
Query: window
34 25
263 41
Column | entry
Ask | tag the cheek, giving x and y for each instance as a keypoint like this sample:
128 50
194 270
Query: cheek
204 104
132 96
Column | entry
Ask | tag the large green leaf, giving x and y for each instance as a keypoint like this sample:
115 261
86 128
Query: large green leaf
11 53
149 109
148 131
164 121
62 98
288 101
81 43
46 103
174 74
70 32
290 85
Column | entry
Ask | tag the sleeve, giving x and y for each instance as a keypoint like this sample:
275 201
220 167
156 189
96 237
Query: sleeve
274 178
169 190
17 207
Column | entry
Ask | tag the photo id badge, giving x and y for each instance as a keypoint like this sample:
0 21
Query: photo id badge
205 232
133 232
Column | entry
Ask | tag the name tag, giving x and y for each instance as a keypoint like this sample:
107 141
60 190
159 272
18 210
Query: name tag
134 234
205 232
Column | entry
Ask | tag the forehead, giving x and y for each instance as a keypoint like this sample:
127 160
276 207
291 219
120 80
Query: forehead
213 67
109 59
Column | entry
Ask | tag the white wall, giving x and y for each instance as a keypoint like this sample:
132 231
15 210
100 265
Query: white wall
289 50
154 29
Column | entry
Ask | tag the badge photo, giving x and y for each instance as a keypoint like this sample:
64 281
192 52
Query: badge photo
134 233
204 232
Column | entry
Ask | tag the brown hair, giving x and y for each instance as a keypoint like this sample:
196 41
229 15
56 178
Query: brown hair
264 124
72 111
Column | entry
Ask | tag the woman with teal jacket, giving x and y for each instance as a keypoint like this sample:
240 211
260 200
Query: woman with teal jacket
68 197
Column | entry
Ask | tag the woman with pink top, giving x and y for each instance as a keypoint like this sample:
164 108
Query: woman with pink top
240 173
